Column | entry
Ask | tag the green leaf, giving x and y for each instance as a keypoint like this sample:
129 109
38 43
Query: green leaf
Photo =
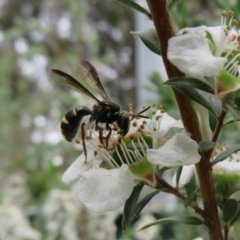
150 39
235 113
190 187
235 217
212 121
173 3
229 209
191 198
190 82
223 155
135 6
216 104
178 174
196 97
130 204
187 220
139 206
206 145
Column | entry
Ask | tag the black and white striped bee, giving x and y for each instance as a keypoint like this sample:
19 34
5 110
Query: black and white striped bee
104 111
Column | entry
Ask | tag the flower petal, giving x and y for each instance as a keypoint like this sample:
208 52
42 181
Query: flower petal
168 122
79 166
228 167
104 190
162 124
191 54
179 150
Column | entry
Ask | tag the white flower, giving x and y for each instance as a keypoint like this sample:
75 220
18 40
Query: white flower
106 178
191 54
178 150
209 52
60 212
230 165
15 225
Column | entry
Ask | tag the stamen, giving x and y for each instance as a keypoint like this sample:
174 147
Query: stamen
129 156
124 153
134 155
143 140
143 151
104 153
119 156
136 151
108 158
231 62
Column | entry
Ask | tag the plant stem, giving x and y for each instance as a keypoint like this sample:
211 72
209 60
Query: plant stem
178 194
226 231
219 126
162 22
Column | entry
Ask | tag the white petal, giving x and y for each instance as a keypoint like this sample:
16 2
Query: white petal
215 33
104 190
228 167
165 123
179 150
78 167
185 177
168 122
190 53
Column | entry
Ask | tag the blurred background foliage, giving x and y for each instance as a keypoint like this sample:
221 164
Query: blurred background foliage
36 36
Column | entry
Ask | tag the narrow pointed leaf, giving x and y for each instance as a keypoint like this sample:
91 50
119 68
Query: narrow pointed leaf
130 204
235 113
135 6
142 203
223 155
235 217
178 174
190 187
206 145
173 3
196 97
150 39
190 198
229 209
190 82
216 104
138 208
186 220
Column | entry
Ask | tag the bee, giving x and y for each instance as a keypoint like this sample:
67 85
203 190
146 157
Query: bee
103 111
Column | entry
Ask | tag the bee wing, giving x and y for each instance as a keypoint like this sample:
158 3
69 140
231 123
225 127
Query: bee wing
63 79
89 74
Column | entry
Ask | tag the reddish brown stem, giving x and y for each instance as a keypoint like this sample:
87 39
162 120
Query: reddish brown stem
178 194
226 231
162 22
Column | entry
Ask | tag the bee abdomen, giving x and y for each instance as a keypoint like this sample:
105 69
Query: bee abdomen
72 120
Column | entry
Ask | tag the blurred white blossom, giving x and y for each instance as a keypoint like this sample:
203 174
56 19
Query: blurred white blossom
148 233
15 189
60 213
14 225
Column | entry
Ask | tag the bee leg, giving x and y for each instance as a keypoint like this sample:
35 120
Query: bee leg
100 135
83 141
108 137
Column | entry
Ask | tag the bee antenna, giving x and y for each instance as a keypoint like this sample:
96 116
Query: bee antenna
139 114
